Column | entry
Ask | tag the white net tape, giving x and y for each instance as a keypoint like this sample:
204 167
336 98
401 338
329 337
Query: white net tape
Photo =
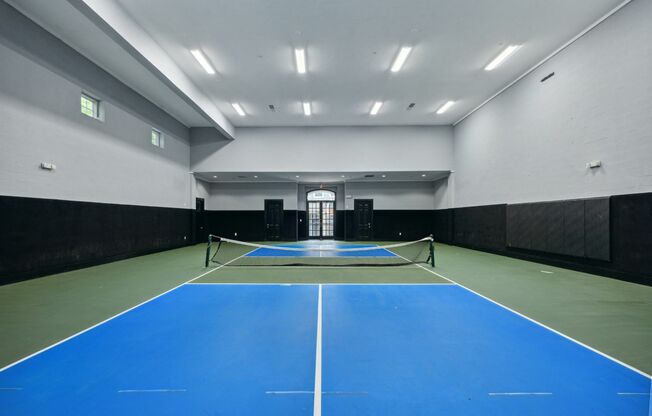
322 248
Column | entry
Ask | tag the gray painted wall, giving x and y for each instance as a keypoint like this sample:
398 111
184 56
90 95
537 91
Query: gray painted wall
250 196
326 149
392 195
533 141
110 161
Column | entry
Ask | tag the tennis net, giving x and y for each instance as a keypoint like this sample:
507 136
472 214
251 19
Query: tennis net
233 253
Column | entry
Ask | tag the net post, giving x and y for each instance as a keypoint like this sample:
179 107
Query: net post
208 250
432 250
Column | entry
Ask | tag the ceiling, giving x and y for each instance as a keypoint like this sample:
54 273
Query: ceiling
64 21
350 47
321 177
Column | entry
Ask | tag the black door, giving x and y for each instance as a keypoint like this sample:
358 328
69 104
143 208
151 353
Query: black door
199 219
273 219
363 214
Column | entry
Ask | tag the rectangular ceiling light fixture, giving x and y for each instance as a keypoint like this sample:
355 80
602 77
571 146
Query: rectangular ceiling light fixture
238 109
401 58
445 107
300 58
199 56
375 108
306 108
506 53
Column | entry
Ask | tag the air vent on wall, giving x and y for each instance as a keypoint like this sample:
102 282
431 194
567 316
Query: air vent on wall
242 177
369 176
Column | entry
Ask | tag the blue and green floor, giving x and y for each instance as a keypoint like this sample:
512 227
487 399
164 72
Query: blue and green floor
479 334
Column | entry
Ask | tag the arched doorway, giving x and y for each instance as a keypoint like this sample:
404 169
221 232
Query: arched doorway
321 213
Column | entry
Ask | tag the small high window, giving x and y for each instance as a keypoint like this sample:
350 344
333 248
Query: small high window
90 106
321 195
157 139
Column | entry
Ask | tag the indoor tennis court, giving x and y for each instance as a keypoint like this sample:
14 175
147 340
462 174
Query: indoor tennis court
325 208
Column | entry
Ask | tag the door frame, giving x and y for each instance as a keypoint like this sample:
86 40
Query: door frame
280 236
321 237
356 222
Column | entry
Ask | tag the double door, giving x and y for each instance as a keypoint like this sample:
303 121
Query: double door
321 219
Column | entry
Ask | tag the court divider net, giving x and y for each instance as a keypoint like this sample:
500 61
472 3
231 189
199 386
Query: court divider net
221 250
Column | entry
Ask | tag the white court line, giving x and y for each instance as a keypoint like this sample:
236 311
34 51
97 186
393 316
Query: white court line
633 394
317 392
317 283
546 271
522 393
116 315
636 370
154 391
290 392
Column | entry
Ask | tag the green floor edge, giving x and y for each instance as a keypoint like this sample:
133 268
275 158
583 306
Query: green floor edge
612 316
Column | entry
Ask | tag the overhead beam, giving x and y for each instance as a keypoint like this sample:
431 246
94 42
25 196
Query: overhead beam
119 26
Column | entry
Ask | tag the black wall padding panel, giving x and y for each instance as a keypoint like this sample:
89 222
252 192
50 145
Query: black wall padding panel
597 235
443 226
43 236
249 225
574 228
632 233
573 244
480 227
402 225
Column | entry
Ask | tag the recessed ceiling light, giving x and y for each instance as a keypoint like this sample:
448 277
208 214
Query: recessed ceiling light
401 58
423 175
375 108
238 109
506 53
445 107
214 176
255 176
343 176
300 58
307 110
199 56
383 175
296 176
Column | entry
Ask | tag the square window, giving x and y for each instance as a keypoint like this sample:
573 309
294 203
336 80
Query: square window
90 106
157 139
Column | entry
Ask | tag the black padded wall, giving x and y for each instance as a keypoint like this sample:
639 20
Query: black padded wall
44 236
573 228
611 236
480 227
249 225
443 225
631 224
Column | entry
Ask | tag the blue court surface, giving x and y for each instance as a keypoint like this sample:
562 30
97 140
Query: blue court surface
317 250
211 349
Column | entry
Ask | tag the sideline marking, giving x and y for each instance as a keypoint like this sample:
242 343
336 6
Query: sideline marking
546 271
522 393
116 315
633 394
636 370
154 391
317 398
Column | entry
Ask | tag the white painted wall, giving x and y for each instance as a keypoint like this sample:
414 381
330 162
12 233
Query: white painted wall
111 161
326 149
392 195
533 141
250 196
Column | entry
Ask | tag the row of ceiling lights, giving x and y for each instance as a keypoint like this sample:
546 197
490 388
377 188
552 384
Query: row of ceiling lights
397 65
